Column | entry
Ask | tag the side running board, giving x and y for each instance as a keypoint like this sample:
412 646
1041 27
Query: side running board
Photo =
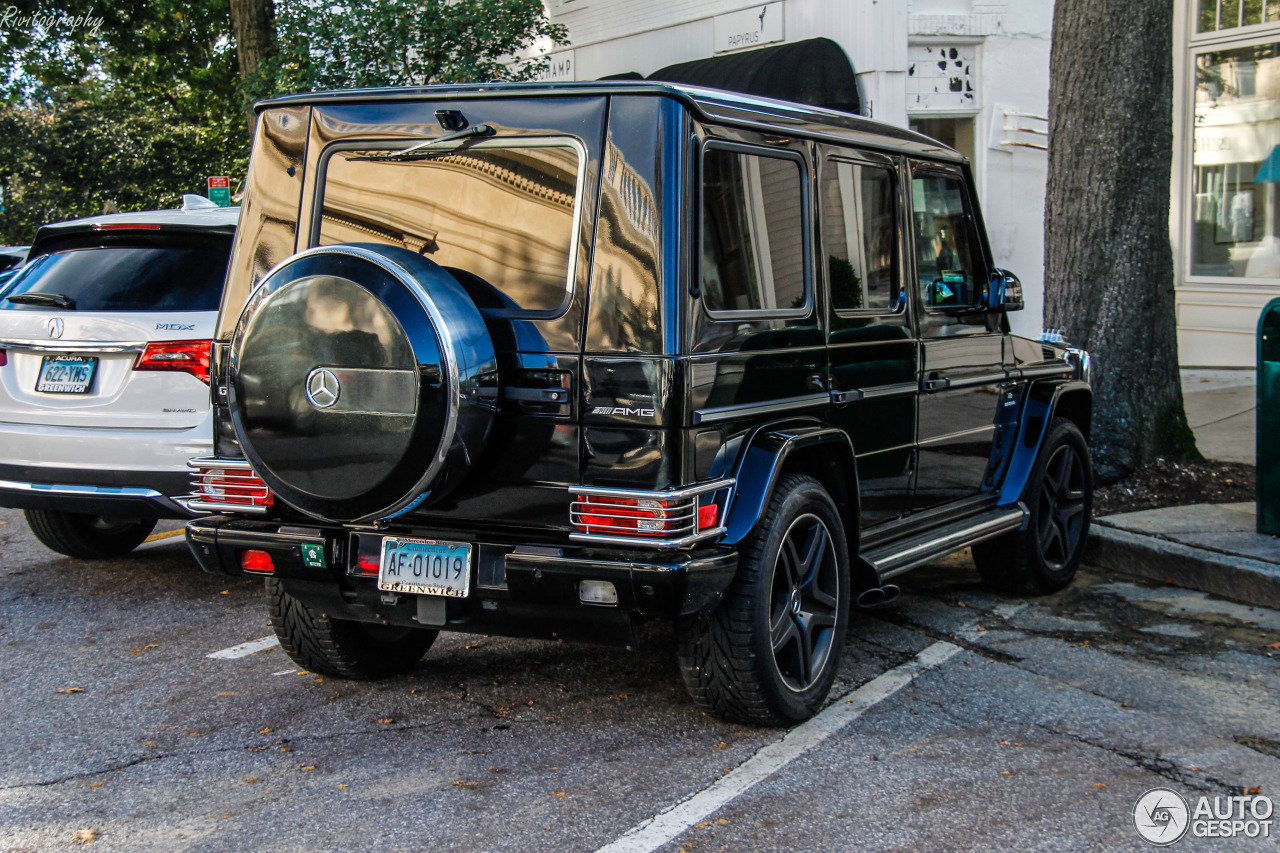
896 557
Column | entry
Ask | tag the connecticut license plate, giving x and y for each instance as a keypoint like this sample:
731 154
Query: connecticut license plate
425 567
66 374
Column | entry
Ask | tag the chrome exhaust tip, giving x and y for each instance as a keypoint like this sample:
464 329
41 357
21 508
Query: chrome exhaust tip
871 597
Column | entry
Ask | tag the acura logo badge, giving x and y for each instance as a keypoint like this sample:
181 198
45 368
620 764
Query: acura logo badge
323 388
55 327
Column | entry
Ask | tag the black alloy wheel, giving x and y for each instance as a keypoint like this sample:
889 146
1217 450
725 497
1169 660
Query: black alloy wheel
1061 514
769 652
1044 557
805 602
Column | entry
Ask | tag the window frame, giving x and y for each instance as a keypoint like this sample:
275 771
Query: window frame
806 232
982 274
575 227
860 158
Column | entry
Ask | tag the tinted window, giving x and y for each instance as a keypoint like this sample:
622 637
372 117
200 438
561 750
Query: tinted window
946 247
503 217
752 233
858 237
183 276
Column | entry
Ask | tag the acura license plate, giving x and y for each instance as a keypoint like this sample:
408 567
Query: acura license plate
425 567
66 374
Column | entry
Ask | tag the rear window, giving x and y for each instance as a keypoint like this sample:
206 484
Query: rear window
181 276
501 218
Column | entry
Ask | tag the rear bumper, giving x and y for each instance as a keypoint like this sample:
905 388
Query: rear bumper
145 494
516 590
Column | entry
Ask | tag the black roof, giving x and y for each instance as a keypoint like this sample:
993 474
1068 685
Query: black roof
711 105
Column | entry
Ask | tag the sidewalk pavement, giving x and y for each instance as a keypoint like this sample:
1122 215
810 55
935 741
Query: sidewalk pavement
1214 548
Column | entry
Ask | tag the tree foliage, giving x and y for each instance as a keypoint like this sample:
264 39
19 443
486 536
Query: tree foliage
320 45
131 105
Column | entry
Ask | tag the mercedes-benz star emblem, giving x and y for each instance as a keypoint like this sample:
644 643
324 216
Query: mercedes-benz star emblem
55 327
323 388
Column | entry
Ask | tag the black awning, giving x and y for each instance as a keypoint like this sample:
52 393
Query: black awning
814 71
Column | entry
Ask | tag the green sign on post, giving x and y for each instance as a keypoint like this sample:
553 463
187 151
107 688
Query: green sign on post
1268 422
220 190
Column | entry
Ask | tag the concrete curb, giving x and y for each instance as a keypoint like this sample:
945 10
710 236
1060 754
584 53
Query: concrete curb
1241 579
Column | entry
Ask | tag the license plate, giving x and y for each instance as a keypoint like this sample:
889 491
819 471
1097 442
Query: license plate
66 374
425 567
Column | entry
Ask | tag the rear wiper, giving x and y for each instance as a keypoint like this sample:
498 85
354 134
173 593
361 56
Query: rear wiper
45 300
415 152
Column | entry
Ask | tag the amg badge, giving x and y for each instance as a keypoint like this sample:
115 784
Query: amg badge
626 413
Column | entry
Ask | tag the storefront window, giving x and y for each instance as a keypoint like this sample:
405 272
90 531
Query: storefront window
1228 14
1236 163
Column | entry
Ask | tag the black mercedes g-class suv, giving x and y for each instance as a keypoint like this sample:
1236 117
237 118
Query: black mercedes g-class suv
551 360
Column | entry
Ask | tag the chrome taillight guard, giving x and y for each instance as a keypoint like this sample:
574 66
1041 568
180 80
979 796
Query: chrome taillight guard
679 516
237 482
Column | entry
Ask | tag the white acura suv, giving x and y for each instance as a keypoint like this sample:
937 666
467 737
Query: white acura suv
104 373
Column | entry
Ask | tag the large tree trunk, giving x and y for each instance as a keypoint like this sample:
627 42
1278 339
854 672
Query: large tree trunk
253 24
1108 263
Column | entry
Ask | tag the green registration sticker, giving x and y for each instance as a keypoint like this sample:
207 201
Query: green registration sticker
313 557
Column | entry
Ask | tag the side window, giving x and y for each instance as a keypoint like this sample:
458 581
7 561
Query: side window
858 237
947 257
753 239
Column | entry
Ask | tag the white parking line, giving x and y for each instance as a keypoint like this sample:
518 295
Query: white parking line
245 649
659 830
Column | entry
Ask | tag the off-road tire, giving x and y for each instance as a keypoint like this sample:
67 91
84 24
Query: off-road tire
727 656
1016 562
88 537
341 648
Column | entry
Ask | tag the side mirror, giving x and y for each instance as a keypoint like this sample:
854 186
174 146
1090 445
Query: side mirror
1005 292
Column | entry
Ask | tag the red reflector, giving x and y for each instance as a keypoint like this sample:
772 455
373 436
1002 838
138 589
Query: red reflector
256 561
117 226
183 356
367 565
708 516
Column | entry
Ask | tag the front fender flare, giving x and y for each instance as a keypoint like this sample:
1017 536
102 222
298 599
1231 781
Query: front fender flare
1038 412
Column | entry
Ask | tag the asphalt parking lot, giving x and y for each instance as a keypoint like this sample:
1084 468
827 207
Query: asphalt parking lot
961 721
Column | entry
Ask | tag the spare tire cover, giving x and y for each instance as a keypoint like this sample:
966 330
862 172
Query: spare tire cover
362 381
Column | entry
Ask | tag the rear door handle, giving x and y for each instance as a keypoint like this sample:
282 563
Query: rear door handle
537 395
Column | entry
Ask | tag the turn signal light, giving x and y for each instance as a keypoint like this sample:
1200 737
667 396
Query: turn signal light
183 356
257 561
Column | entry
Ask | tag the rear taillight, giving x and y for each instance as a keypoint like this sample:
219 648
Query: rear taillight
226 485
608 516
183 356
235 487
666 519
4 358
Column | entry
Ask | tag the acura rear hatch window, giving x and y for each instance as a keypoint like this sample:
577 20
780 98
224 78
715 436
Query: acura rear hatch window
176 275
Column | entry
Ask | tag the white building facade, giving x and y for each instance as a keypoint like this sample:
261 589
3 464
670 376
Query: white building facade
1226 168
971 73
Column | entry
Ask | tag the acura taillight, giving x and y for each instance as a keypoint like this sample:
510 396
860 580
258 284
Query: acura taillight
183 356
